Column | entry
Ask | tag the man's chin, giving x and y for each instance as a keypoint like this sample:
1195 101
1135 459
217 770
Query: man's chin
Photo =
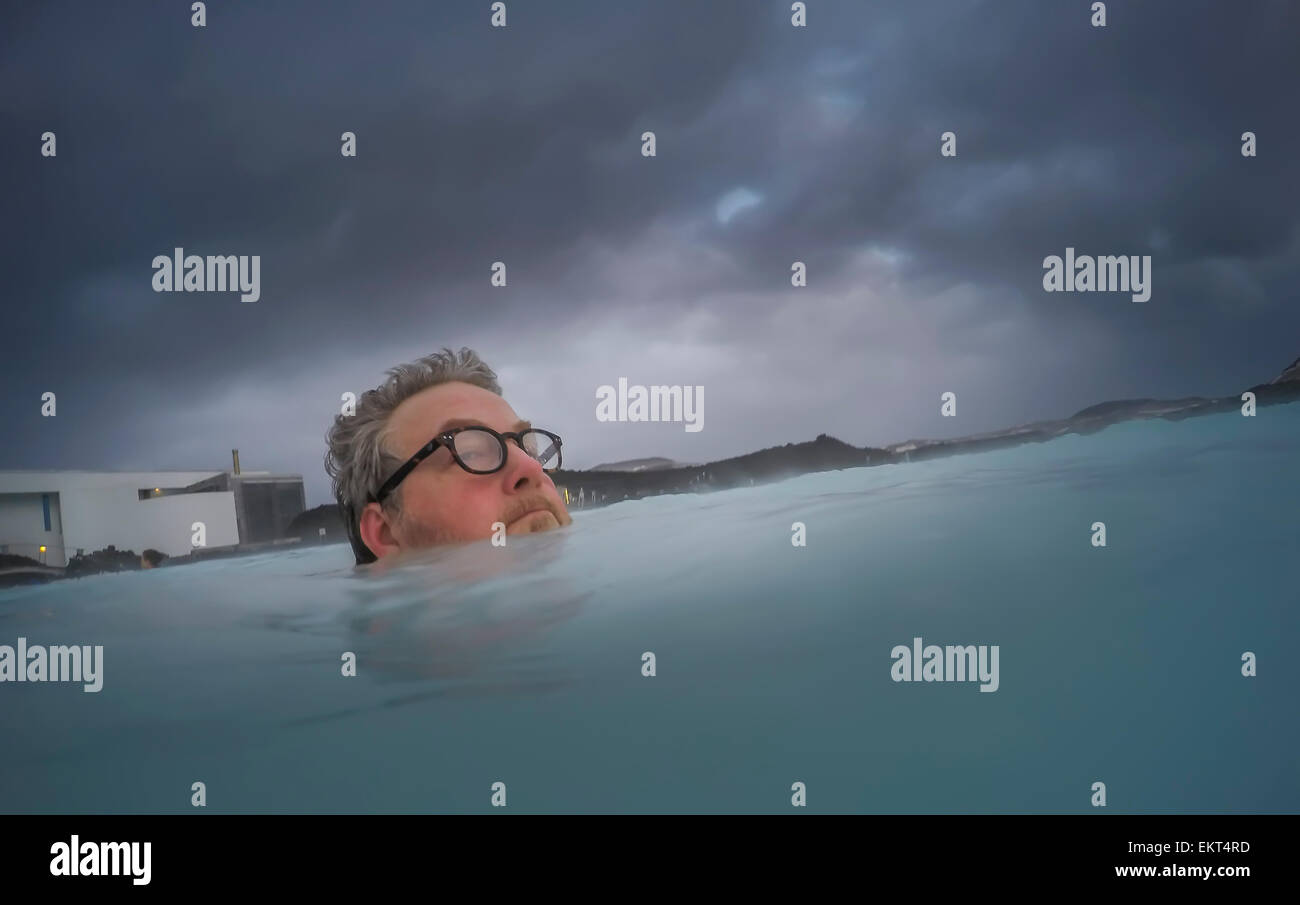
534 522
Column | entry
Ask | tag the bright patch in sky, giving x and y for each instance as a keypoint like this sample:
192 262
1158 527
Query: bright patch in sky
736 201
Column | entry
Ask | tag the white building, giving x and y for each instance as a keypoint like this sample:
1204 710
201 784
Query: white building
71 512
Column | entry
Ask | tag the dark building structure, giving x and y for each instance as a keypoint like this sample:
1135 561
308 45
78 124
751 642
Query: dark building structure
265 504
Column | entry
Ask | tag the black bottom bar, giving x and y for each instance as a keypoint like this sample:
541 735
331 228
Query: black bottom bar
335 854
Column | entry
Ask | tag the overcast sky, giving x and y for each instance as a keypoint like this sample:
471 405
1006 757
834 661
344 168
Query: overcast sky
775 144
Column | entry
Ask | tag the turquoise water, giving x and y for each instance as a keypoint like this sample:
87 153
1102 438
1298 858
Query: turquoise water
523 665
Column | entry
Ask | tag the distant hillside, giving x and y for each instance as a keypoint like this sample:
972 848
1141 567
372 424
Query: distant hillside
1283 388
15 561
638 465
826 453
823 454
1290 373
307 525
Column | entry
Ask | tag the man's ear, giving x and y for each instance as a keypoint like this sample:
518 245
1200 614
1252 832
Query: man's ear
377 532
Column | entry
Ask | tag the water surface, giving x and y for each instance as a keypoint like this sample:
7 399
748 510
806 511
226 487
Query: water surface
523 665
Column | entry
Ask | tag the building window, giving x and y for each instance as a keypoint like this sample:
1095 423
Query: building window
45 505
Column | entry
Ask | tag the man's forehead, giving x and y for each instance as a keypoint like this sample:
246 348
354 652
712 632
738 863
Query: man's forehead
451 405
452 423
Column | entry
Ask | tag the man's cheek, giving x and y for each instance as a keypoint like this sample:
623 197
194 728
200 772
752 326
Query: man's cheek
477 517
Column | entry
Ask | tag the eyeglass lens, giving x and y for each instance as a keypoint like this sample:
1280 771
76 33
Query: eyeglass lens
481 451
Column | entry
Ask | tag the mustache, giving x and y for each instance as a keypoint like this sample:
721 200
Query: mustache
528 504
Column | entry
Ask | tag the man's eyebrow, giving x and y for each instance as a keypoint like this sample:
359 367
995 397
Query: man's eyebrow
454 423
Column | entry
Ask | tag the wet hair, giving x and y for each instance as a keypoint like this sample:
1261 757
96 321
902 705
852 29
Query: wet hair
358 462
153 557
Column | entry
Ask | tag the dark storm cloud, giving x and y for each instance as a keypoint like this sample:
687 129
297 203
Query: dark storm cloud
521 145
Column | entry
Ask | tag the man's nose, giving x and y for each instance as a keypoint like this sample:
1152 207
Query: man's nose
523 468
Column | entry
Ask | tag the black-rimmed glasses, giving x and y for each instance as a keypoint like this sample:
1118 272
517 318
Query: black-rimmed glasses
480 450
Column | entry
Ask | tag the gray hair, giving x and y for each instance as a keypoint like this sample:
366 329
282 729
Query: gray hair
357 460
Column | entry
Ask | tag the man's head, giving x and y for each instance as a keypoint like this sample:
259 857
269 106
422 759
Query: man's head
151 558
438 501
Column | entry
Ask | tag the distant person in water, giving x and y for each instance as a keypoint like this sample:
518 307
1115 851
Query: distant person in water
435 455
151 558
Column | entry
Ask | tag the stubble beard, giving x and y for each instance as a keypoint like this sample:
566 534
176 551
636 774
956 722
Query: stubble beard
418 535
538 521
